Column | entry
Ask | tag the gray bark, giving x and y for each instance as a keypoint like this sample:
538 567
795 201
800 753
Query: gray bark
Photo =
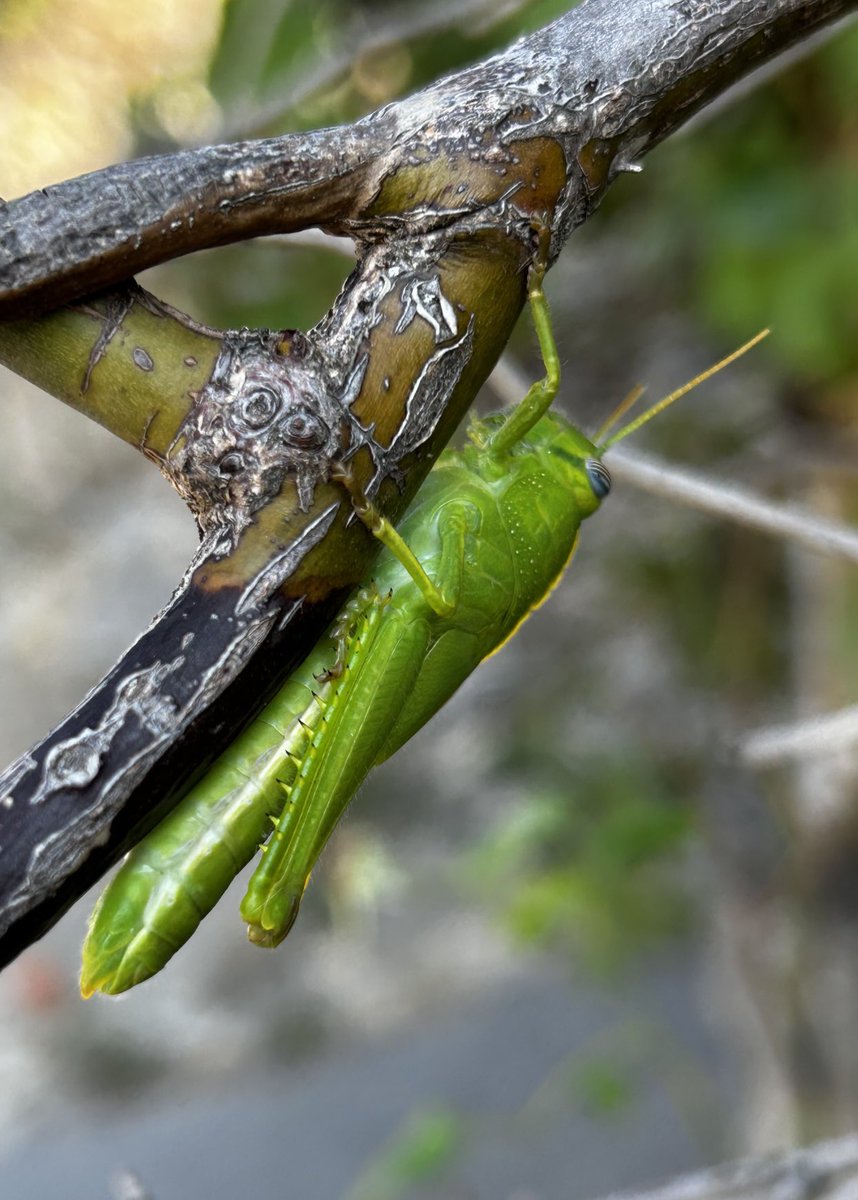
609 81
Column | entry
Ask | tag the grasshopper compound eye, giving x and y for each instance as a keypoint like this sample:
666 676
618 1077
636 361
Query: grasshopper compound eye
599 476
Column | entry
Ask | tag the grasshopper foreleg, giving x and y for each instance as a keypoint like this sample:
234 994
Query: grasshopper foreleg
540 395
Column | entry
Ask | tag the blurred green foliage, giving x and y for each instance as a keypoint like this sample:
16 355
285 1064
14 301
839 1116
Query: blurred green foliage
602 1088
704 581
579 865
423 1149
261 283
760 215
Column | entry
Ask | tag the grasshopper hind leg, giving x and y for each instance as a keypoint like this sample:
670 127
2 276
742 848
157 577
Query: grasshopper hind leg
348 625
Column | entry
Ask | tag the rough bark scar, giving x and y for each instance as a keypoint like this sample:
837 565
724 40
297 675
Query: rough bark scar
266 413
118 307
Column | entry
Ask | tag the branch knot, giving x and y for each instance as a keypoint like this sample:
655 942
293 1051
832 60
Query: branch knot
265 413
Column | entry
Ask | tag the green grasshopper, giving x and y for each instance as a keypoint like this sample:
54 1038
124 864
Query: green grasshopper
482 545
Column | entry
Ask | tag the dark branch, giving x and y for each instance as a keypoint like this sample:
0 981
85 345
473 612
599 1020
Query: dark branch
118 762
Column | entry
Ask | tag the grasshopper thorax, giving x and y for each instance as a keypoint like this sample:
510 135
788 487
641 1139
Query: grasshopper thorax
554 448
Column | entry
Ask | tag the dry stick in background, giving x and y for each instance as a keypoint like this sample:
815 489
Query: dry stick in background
825 1171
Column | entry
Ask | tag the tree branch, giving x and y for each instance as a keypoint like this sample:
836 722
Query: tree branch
123 359
607 82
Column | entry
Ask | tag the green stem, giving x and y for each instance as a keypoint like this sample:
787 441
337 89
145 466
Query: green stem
123 359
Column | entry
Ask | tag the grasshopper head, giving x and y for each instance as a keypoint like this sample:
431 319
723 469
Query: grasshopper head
575 458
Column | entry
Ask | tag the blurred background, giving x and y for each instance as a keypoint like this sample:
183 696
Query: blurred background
583 932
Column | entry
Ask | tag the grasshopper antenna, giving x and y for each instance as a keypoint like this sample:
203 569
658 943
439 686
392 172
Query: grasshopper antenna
626 404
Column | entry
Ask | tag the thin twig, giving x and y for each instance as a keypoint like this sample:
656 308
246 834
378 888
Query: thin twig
828 733
435 19
740 504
